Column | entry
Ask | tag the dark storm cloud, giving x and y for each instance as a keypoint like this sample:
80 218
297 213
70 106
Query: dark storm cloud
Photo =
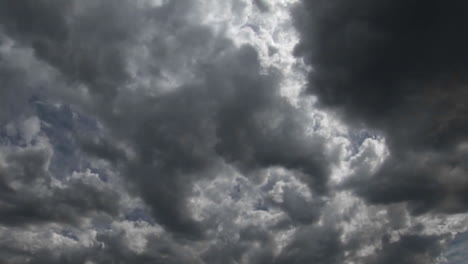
295 204
231 251
175 107
19 81
28 196
114 251
315 245
399 67
222 110
229 117
409 249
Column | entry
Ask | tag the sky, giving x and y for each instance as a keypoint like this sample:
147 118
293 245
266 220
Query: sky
236 131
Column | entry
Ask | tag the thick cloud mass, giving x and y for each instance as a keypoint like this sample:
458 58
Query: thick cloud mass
400 69
174 131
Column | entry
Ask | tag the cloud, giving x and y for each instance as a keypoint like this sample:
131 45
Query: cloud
410 249
174 132
397 68
225 109
173 102
403 77
456 254
320 245
30 195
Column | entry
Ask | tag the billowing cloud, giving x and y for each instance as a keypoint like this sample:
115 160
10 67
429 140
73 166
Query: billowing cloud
179 132
397 68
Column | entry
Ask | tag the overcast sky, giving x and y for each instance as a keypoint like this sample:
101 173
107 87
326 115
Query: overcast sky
234 131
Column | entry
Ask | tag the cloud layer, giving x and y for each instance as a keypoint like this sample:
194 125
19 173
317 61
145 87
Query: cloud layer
188 131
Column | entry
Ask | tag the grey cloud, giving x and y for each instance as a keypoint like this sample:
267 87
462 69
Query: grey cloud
19 81
437 183
254 245
376 67
457 253
108 249
228 111
228 117
172 102
293 201
262 5
409 249
29 197
115 61
397 67
313 244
